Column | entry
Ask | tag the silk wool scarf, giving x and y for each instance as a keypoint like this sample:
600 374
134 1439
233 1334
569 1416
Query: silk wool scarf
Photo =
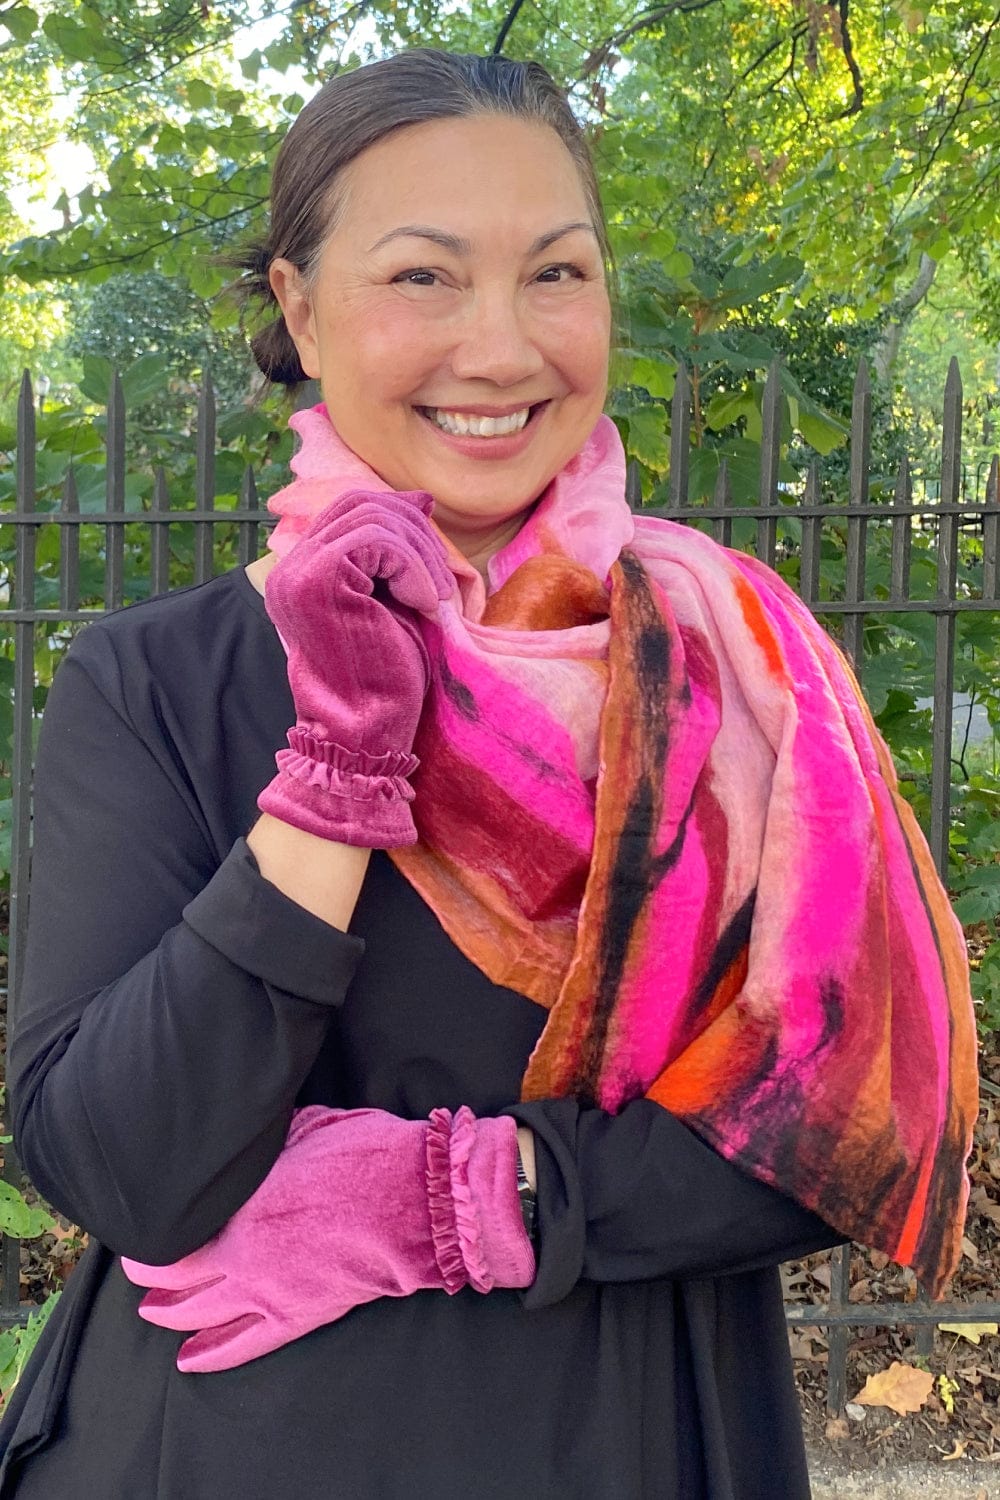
652 799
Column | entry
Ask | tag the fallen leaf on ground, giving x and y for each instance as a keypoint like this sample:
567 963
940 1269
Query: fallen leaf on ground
957 1452
902 1388
971 1331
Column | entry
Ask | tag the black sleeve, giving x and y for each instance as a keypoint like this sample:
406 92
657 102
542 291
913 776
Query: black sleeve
637 1195
172 1004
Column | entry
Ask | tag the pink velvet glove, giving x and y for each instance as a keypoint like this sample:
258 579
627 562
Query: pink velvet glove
359 1205
357 665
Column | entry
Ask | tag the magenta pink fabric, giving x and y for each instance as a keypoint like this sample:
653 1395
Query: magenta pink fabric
652 798
359 1205
344 603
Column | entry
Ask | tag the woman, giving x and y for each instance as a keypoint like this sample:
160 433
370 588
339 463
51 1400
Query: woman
451 1117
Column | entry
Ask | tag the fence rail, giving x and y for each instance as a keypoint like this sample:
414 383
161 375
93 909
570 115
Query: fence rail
780 523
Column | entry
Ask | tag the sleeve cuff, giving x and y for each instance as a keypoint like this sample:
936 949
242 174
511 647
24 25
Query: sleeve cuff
262 931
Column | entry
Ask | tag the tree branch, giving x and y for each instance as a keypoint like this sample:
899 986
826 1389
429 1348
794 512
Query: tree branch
600 54
847 47
504 31
902 311
949 124
126 257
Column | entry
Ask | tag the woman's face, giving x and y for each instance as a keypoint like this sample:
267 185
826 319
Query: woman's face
463 280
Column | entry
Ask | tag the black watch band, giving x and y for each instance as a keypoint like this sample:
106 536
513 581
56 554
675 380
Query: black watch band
528 1199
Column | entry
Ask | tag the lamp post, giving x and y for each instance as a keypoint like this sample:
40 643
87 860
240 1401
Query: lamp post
43 390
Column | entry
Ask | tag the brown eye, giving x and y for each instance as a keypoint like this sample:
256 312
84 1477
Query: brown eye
556 273
409 278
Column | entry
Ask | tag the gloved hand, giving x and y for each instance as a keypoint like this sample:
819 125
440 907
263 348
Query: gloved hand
357 665
360 1204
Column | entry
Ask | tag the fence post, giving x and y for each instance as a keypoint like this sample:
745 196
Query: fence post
680 438
902 535
991 517
723 497
204 485
812 537
770 453
114 531
857 526
944 620
20 772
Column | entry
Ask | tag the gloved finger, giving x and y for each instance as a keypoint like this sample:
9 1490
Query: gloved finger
401 530
380 547
204 1306
338 521
400 501
403 576
235 1343
190 1270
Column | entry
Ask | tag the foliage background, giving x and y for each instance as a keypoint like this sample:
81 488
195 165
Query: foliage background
815 182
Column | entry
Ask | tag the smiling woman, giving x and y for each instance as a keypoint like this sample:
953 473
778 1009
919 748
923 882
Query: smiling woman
427 309
440 1130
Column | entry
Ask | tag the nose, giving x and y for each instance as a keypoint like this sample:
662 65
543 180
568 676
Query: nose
495 342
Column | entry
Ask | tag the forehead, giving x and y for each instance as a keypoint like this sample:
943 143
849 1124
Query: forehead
463 175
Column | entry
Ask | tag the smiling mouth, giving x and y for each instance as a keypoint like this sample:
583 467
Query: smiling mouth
460 424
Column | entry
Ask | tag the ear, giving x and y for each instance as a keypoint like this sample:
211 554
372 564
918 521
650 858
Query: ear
296 307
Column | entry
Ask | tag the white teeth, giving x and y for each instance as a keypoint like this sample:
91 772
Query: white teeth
463 426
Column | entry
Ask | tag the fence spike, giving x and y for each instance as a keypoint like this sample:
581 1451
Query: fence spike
902 534
69 546
951 436
248 530
633 484
23 631
944 622
159 542
991 528
770 453
857 526
680 438
812 533
722 526
204 486
114 531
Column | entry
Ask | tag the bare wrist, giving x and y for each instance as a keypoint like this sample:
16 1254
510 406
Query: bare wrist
318 874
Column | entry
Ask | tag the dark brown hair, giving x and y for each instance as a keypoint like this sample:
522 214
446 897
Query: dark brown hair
355 110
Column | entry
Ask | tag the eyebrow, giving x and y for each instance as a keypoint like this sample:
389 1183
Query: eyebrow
459 246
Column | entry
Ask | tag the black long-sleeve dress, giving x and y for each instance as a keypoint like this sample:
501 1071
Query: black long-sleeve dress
177 1007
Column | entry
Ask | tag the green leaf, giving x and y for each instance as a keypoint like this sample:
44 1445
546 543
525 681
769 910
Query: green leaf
144 378
727 407
200 94
655 373
976 906
17 1344
75 42
21 22
820 431
96 381
22 1220
647 437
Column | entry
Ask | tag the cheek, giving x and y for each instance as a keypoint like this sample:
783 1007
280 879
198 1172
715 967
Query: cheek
380 351
579 338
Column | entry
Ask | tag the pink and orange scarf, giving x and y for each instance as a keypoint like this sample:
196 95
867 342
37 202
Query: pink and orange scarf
652 799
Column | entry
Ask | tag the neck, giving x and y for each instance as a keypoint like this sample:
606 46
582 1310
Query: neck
477 547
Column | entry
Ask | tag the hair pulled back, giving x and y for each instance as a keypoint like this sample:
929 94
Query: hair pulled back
352 112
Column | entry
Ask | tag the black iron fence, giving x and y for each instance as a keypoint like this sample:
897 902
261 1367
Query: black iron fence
783 524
